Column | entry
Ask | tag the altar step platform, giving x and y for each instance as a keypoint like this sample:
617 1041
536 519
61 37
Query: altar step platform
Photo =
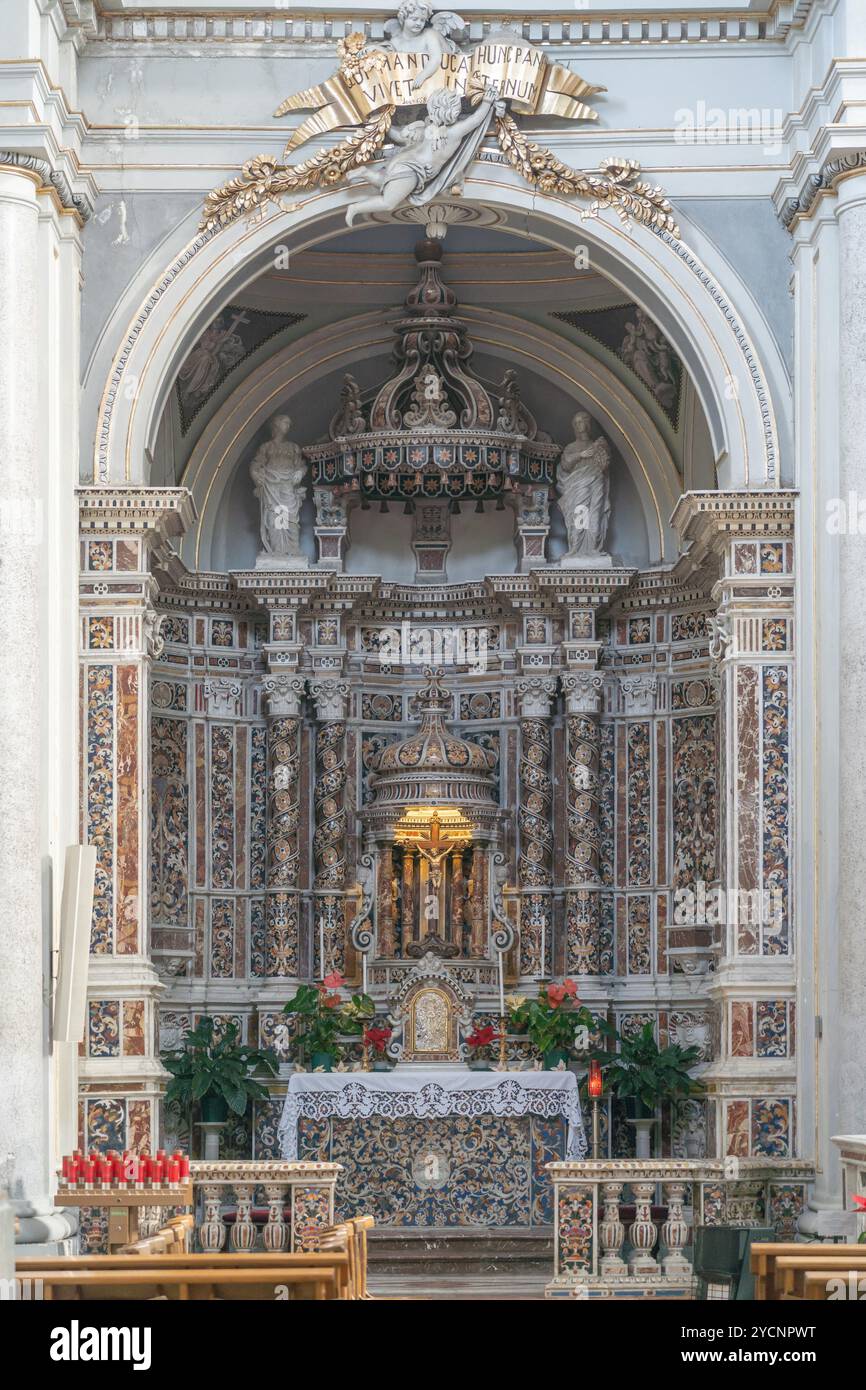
471 1263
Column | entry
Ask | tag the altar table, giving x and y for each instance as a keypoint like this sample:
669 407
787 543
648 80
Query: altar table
437 1146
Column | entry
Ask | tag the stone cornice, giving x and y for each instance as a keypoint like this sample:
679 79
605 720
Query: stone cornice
196 25
709 519
833 170
51 178
166 511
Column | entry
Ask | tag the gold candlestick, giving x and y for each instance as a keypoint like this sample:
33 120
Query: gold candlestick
365 1051
503 1051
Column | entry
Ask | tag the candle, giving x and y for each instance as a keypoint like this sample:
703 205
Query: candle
364 973
184 1165
501 984
543 956
322 946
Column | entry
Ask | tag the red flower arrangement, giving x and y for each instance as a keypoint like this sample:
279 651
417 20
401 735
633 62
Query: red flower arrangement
378 1039
482 1037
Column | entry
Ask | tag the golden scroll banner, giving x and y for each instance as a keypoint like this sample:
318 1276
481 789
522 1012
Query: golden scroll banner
520 73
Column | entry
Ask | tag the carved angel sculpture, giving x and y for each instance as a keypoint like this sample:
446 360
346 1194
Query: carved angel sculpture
419 29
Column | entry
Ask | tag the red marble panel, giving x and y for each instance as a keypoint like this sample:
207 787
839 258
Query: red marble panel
199 935
127 553
139 1136
742 1029
621 937
661 934
240 938
737 1131
133 1028
128 813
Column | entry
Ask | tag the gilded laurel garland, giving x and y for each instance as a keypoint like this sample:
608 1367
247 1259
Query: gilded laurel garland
617 185
265 180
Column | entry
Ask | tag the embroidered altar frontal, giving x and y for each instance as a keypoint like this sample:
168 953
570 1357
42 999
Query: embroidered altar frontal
463 1150
452 1171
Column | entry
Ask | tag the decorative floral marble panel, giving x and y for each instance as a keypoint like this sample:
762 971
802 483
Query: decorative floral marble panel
639 775
103 1028
100 794
169 830
222 806
258 803
776 801
694 799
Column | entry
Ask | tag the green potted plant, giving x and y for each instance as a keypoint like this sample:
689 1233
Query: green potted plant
324 1018
480 1041
643 1075
215 1071
551 1021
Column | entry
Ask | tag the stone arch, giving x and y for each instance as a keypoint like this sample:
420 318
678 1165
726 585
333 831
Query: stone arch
665 275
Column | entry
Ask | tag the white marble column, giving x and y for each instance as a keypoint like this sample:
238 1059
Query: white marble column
848 1115
24 914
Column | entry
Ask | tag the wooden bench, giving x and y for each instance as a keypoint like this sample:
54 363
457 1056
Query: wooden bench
350 1236
815 1285
141 1276
790 1270
764 1255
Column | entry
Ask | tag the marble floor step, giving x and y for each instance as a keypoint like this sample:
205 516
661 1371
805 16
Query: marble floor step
464 1251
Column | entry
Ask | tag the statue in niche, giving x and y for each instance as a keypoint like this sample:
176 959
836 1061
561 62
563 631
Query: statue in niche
474 915
419 29
646 350
431 155
277 472
583 483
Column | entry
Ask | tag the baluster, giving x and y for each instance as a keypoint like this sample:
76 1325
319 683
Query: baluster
643 1231
212 1234
149 1221
611 1231
276 1232
675 1232
243 1236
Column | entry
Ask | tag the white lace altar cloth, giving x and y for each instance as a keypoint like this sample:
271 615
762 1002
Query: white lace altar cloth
452 1091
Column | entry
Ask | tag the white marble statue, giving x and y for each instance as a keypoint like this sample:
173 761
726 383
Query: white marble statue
431 155
583 482
278 471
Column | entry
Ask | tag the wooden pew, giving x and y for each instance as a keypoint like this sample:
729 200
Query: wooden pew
813 1285
790 1270
326 1273
764 1255
350 1236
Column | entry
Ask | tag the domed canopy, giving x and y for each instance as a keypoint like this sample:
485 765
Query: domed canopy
434 766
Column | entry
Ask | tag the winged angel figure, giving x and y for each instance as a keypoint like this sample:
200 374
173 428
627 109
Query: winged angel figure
418 28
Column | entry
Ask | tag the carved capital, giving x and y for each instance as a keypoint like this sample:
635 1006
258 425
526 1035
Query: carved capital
222 695
583 691
284 695
329 697
638 693
534 694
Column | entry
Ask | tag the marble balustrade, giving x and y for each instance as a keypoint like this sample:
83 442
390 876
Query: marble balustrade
611 1239
230 1196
